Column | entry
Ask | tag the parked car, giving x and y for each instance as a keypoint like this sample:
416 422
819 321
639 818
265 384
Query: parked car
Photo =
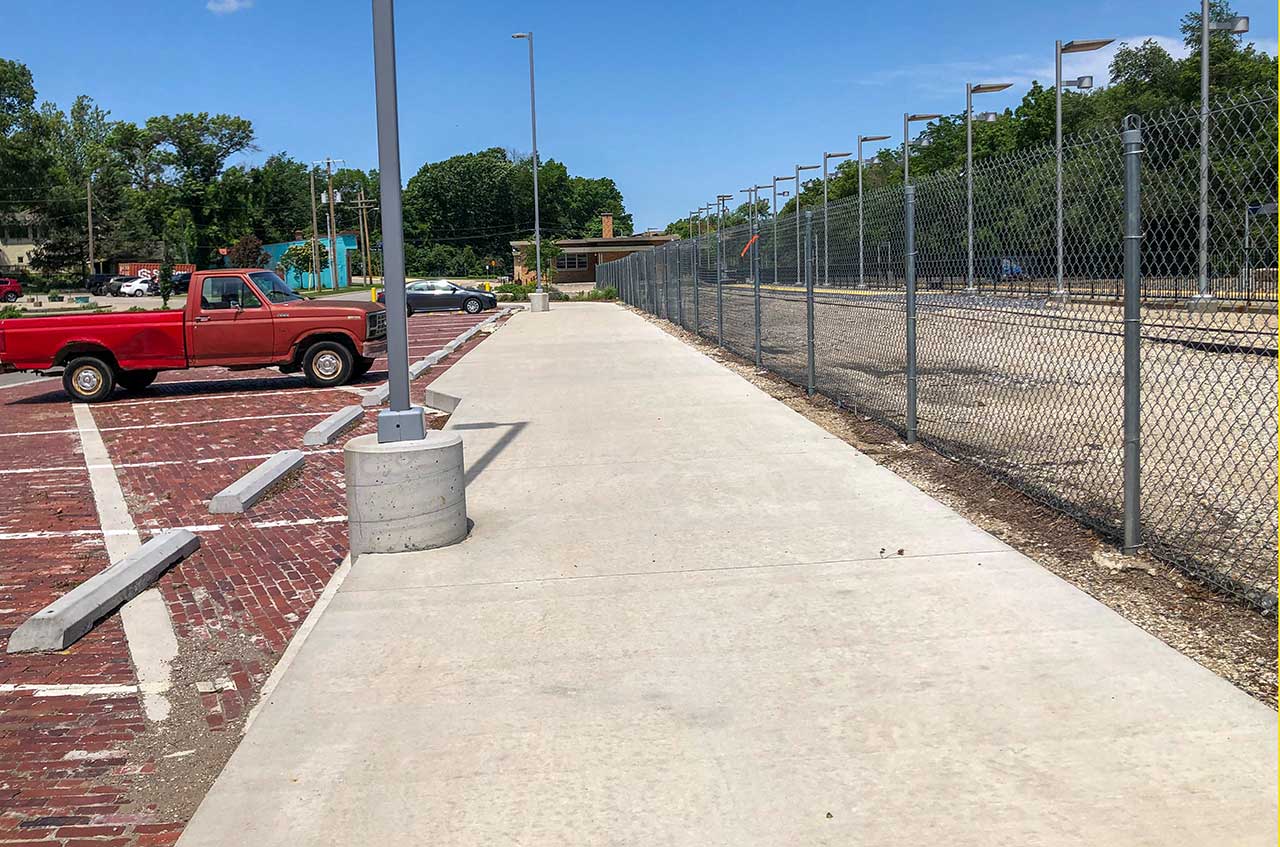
441 295
94 283
181 282
10 290
112 287
137 287
237 318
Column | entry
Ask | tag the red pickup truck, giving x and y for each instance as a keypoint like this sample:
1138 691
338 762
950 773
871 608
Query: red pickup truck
239 319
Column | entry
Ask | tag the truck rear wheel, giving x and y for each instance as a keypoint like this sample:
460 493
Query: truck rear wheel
88 379
136 380
327 363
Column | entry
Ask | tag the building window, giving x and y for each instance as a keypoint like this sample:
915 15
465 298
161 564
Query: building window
571 262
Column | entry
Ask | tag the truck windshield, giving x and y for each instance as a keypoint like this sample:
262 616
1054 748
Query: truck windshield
273 287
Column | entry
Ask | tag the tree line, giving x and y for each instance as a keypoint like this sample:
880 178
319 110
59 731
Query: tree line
169 189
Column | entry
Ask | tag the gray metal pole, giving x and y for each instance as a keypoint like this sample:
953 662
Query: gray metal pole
1202 281
533 124
909 202
968 175
1132 140
906 148
400 422
861 280
680 288
808 298
720 280
697 255
1057 148
826 232
775 231
797 184
755 275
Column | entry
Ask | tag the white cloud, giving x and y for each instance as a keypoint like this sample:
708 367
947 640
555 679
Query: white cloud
226 7
1097 63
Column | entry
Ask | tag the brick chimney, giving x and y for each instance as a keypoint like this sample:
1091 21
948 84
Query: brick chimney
606 226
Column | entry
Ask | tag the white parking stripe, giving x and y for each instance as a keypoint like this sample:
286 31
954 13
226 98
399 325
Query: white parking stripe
174 424
160 463
153 645
69 689
197 528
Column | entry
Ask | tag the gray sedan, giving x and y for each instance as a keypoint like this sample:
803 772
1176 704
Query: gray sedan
441 295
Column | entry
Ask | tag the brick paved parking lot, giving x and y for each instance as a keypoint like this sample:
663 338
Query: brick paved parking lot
80 763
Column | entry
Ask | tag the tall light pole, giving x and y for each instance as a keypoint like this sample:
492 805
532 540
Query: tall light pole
799 188
826 230
1235 25
971 89
400 422
776 180
1081 45
862 138
533 122
908 118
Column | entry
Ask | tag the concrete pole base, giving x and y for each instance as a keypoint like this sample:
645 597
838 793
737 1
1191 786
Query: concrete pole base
405 495
539 302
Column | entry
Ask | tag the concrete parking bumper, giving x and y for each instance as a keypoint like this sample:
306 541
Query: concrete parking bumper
248 489
67 619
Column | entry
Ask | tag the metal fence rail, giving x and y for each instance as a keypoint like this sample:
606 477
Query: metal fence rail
1024 380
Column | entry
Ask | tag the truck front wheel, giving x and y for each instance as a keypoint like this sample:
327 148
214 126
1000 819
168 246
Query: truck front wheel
136 380
327 363
88 379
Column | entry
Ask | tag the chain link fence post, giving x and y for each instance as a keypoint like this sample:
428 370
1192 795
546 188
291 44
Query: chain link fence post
755 284
810 257
909 204
719 286
697 261
1132 140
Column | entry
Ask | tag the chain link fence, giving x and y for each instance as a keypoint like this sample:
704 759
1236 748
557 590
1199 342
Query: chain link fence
1020 373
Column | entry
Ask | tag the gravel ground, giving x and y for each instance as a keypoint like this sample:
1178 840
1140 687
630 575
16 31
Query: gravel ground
1033 391
1220 633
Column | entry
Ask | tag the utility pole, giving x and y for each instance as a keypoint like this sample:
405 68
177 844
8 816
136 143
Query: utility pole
367 252
315 231
333 223
89 199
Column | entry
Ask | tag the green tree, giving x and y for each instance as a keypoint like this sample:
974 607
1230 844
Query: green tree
296 260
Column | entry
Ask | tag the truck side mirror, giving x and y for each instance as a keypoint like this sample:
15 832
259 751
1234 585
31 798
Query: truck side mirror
235 304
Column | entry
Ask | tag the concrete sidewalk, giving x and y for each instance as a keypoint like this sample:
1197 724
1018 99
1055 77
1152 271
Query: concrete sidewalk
683 619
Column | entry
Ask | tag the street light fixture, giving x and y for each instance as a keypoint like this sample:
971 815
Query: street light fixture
799 187
862 138
971 89
907 119
826 230
776 179
1080 45
1236 26
533 120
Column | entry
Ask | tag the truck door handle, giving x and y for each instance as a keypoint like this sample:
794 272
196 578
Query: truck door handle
201 319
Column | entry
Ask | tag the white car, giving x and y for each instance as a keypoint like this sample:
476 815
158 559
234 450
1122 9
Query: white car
135 288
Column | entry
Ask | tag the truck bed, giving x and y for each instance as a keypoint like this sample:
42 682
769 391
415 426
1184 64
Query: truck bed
139 340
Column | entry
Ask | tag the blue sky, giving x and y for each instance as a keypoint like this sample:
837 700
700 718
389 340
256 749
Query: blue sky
676 104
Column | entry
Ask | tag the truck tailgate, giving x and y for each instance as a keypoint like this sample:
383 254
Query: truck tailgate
134 339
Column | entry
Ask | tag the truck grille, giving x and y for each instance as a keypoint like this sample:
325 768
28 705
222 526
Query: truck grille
377 327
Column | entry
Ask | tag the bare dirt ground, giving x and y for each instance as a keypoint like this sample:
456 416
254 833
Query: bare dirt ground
1235 642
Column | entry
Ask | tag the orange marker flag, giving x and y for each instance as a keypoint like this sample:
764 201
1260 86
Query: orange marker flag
753 240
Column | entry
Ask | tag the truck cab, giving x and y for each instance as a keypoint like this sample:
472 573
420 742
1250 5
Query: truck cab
236 318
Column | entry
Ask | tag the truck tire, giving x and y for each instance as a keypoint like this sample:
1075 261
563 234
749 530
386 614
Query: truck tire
328 363
362 366
136 380
88 379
